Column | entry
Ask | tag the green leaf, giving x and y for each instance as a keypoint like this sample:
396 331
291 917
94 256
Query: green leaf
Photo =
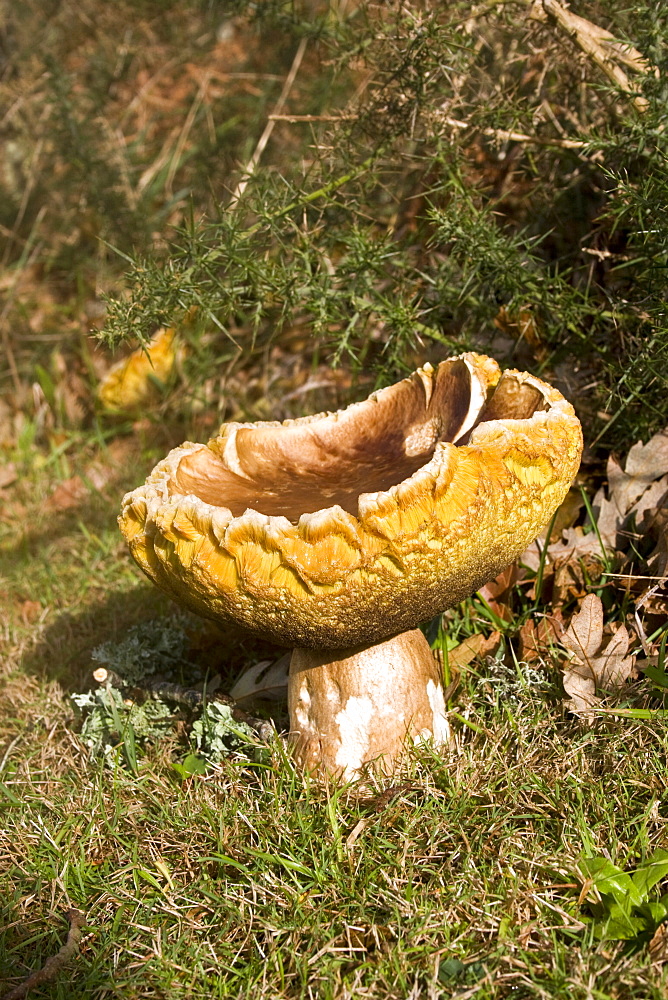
612 881
130 747
290 865
227 860
620 925
150 878
655 912
450 970
9 795
650 872
193 764
634 713
659 677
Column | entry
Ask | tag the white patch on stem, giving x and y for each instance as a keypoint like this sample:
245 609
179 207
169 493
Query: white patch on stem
353 722
302 707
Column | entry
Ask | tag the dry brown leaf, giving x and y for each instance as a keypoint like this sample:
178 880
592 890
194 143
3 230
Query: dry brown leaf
30 611
658 946
650 503
585 633
608 519
566 541
567 513
67 494
535 638
657 563
595 667
8 475
645 464
614 666
265 681
634 506
495 592
474 645
649 461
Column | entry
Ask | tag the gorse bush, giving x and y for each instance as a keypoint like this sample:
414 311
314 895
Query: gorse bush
453 176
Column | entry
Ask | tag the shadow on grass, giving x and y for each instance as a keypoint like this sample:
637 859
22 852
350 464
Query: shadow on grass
63 651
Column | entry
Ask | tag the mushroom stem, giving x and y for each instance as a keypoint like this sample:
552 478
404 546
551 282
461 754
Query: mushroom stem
351 707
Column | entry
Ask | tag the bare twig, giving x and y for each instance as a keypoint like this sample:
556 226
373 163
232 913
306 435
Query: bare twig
269 127
600 45
509 136
53 965
312 118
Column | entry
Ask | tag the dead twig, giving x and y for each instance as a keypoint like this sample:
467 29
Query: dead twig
53 965
510 136
269 127
599 44
312 118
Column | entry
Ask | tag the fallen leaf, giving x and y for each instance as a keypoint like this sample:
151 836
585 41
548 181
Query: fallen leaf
658 946
474 645
567 513
490 644
645 463
495 592
628 508
8 475
649 461
585 633
596 667
613 666
30 612
266 681
535 638
608 519
651 500
67 494
501 584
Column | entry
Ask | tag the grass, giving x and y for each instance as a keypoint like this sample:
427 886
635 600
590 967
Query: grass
375 242
460 874
250 882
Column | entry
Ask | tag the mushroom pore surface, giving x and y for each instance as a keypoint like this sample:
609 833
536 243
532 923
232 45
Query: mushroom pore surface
304 466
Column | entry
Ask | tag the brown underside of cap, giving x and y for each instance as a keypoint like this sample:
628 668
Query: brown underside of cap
341 529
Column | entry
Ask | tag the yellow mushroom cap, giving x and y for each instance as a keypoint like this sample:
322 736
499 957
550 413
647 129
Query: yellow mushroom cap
339 529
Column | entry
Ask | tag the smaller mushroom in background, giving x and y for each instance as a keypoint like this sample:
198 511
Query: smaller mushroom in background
137 380
338 533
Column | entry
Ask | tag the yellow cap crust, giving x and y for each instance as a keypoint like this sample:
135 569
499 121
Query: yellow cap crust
330 578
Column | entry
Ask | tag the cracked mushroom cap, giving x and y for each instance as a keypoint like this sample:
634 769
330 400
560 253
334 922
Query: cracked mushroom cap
339 529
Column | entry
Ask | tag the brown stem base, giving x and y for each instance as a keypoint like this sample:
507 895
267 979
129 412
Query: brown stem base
352 707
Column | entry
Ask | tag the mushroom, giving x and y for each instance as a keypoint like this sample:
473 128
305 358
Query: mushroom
338 533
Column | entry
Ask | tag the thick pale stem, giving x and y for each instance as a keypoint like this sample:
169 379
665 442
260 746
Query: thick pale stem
352 707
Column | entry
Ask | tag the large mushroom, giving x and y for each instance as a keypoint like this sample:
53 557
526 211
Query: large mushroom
338 533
